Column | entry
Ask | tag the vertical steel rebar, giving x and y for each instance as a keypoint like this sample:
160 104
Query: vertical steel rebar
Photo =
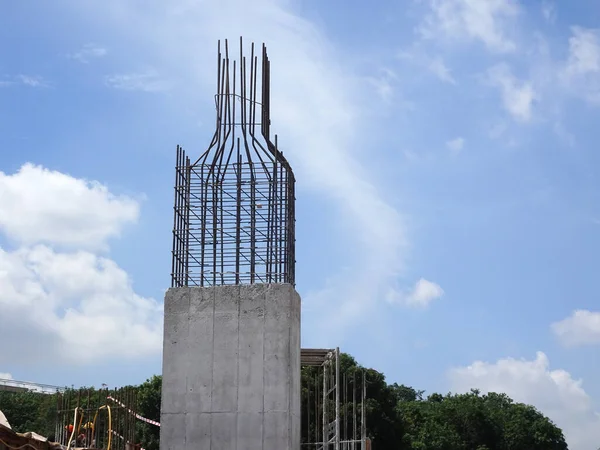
363 414
233 220
337 399
354 433
325 389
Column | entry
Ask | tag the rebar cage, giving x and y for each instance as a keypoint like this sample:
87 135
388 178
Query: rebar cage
234 216
101 419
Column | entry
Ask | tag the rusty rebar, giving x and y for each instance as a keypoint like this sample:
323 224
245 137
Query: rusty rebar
234 215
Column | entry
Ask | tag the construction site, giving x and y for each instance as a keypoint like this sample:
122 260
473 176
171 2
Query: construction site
234 375
334 404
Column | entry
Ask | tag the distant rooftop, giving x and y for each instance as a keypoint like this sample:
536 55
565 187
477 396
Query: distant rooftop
24 386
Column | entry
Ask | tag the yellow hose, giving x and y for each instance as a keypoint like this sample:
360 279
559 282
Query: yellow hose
75 427
109 424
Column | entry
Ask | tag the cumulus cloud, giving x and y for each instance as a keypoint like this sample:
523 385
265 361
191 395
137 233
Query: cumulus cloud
517 96
581 71
456 145
581 328
38 205
5 376
82 305
486 21
424 293
420 296
71 305
495 24
584 52
554 392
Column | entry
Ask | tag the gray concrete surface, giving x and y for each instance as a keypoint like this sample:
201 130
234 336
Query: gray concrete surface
231 368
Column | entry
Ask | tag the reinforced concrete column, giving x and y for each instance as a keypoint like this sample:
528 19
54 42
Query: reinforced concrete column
231 368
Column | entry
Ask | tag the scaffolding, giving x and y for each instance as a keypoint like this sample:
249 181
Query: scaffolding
100 419
234 217
333 403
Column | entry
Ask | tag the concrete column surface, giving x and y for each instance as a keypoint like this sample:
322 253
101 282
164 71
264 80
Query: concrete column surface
231 368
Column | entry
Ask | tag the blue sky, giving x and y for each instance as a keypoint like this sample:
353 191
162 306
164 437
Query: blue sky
448 184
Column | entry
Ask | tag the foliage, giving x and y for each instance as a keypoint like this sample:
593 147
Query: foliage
29 411
148 397
399 417
474 421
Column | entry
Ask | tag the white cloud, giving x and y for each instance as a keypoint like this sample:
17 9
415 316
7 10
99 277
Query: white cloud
456 145
39 205
434 65
148 81
32 81
554 392
581 71
440 70
517 96
424 293
68 307
5 376
383 84
581 328
549 11
488 21
584 52
74 307
420 296
88 52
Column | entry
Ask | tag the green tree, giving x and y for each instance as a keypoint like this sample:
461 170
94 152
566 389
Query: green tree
148 398
399 417
29 411
478 422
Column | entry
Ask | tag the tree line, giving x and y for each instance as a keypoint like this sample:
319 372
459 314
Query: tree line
399 417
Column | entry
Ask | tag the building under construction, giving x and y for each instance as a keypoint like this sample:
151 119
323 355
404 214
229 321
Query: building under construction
333 410
234 373
233 282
